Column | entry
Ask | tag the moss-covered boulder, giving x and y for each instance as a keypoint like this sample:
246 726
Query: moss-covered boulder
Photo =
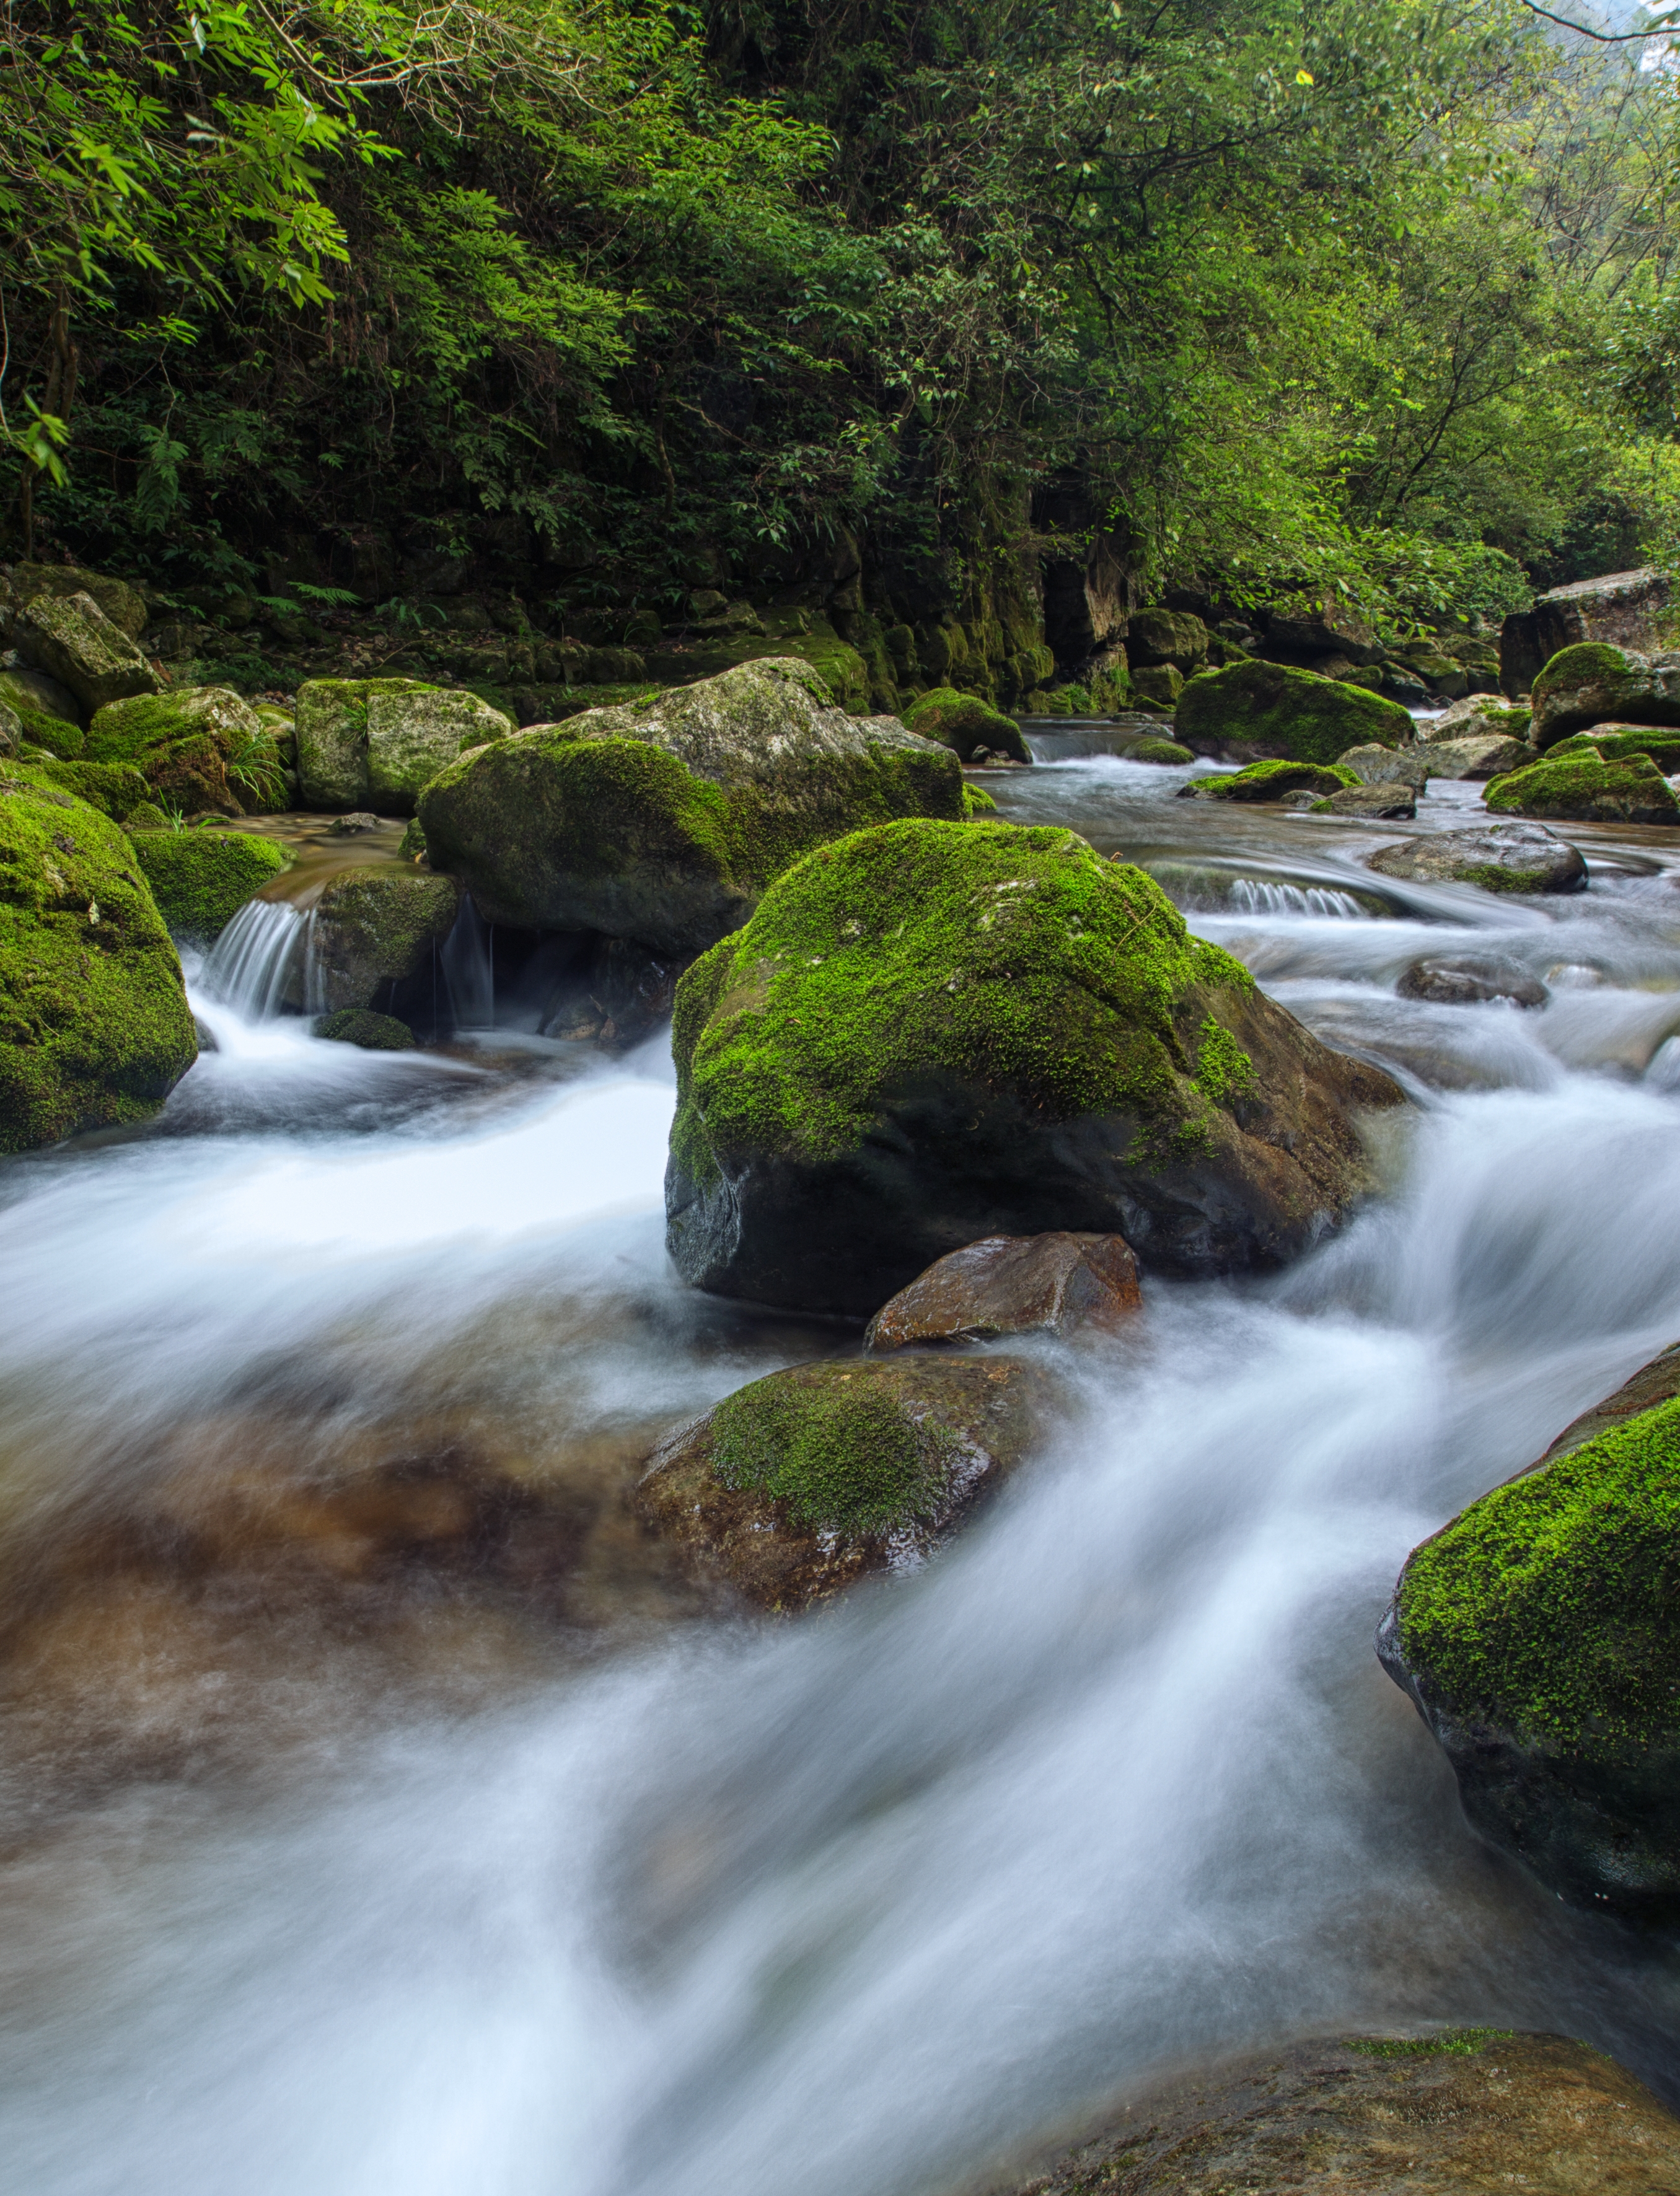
203 749
931 1033
1153 687
1614 743
117 789
964 723
71 639
1595 682
664 821
411 737
1271 781
371 1032
373 931
95 1028
1538 1633
1300 714
1174 637
1583 788
201 878
331 731
32 694
1161 751
124 605
798 1485
1500 857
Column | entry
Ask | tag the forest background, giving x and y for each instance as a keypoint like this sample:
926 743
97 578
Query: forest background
1376 296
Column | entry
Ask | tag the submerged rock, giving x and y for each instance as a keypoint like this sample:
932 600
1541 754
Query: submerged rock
1271 781
929 1033
200 879
1595 682
1379 803
71 639
797 1486
663 820
374 928
1463 979
1442 2113
1054 1284
95 1028
373 1032
966 723
1300 714
1582 789
1539 1634
1504 857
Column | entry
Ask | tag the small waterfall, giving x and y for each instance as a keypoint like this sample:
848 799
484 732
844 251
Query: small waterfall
251 963
468 964
1258 896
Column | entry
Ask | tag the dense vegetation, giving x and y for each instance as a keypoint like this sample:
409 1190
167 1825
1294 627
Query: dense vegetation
622 298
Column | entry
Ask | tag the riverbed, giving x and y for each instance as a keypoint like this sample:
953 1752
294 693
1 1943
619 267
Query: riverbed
380 1810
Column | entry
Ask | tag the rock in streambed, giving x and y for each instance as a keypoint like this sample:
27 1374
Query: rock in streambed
1054 1283
798 1485
1502 857
1539 1634
931 1032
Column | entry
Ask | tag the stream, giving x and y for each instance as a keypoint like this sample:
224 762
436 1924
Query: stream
379 1812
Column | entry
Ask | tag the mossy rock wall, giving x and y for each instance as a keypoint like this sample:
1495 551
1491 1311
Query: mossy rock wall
1305 717
929 1033
201 878
95 1028
663 821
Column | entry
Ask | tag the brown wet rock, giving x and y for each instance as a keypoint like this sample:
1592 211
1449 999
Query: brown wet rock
1436 2115
1052 1284
798 1485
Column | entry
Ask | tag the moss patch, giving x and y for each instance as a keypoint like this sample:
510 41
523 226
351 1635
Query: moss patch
1271 781
977 801
1005 956
1313 720
201 878
95 1028
361 1026
1583 786
964 723
116 789
842 1461
1159 751
1551 1607
1662 747
52 734
1449 2043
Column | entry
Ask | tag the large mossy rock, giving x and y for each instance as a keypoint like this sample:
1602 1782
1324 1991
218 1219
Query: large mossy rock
71 639
1443 2112
1539 1634
375 742
1501 857
1303 716
184 741
964 723
1584 788
373 930
125 606
1273 781
1596 683
95 1028
201 878
929 1033
49 714
115 789
798 1485
1614 743
665 820
1174 637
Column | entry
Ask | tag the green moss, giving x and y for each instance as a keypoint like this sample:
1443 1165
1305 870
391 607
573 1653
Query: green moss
1491 877
1271 781
95 1028
361 1026
413 844
1223 1069
963 722
116 789
1448 2043
977 801
1663 748
147 816
1313 720
1581 782
201 878
1552 1606
842 1461
1586 663
1159 751
1008 957
54 736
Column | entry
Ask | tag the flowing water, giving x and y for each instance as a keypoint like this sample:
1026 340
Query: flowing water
379 1812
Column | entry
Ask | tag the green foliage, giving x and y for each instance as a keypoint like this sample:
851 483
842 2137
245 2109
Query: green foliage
1549 1606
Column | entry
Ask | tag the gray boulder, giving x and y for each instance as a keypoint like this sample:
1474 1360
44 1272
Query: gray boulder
1393 803
1478 756
663 820
1621 608
125 606
1504 857
1595 683
1379 766
375 742
1465 979
71 639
